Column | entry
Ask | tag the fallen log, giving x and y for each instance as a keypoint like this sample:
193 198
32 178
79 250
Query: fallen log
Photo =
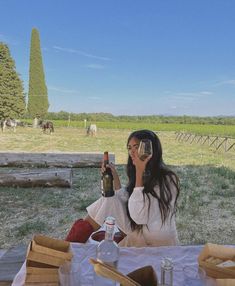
39 178
55 159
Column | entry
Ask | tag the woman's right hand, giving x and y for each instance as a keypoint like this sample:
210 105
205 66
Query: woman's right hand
140 166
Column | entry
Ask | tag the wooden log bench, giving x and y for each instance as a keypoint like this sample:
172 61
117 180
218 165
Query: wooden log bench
52 159
37 178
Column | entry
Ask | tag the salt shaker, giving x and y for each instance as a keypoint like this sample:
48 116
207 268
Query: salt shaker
166 272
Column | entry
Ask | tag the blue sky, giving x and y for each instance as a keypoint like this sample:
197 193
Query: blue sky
168 57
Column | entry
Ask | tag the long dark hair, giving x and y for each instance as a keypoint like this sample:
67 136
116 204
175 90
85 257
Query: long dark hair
158 174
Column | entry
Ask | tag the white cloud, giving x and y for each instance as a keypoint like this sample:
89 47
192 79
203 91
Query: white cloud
95 66
190 95
82 53
225 82
94 97
206 92
59 89
181 97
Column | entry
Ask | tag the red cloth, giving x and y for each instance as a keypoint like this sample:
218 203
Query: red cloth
80 231
99 235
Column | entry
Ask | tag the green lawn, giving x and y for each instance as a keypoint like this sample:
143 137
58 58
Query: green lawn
113 140
206 206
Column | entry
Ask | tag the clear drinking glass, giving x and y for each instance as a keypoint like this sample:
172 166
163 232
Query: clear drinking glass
167 271
145 149
69 274
194 276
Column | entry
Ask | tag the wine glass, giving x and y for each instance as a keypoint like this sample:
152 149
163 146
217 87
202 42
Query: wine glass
145 149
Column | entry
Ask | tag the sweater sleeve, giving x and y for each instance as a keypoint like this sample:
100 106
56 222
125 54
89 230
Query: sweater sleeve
122 194
138 205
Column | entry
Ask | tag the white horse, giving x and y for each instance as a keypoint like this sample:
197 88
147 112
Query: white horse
10 123
92 130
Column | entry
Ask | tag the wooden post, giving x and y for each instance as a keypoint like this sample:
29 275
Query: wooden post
69 120
193 138
213 141
180 136
35 122
207 137
220 144
177 135
231 146
189 137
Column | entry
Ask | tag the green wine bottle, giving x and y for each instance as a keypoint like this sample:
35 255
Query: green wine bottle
107 178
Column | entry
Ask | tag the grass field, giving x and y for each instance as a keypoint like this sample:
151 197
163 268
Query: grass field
75 140
206 207
220 130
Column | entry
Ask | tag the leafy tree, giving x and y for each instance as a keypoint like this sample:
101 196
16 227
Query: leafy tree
37 98
12 99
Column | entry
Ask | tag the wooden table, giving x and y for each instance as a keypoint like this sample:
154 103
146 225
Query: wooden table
132 258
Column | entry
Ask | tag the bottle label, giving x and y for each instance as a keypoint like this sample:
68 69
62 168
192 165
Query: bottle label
109 193
107 185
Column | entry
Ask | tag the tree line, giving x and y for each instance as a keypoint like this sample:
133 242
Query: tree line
108 117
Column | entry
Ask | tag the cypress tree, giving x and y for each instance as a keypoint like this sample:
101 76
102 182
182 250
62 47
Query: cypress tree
12 98
37 97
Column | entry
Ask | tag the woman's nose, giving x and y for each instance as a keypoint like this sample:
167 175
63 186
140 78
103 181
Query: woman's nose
133 151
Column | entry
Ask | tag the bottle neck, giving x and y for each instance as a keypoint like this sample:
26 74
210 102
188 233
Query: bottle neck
167 263
109 232
106 162
106 158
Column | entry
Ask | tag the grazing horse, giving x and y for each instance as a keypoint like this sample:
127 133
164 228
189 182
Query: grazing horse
92 130
9 123
46 126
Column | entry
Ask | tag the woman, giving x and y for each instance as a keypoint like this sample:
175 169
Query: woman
145 209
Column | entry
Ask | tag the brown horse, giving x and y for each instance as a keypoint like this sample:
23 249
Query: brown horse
46 126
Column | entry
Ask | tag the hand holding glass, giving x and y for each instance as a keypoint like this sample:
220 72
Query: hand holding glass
145 149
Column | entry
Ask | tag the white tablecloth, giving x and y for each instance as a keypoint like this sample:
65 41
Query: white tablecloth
130 259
